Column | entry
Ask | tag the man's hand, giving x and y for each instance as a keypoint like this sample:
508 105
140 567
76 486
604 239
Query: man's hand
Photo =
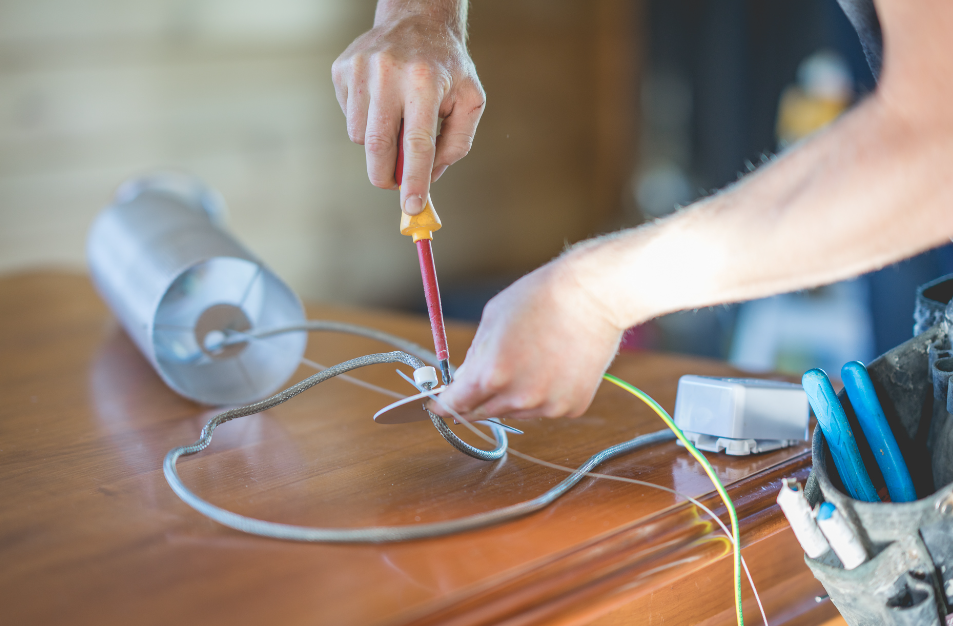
540 351
413 65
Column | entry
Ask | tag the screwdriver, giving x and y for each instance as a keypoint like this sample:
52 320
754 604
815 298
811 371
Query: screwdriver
421 227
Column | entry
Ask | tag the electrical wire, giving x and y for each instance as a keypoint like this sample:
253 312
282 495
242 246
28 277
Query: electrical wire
732 514
733 537
401 533
355 381
375 534
234 337
378 534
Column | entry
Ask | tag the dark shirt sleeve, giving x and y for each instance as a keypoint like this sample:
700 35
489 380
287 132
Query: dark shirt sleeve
863 16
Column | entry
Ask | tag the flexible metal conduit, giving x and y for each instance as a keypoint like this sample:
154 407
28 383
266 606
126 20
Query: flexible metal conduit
378 534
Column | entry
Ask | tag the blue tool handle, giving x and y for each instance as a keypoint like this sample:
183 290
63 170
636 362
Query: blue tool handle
833 422
860 390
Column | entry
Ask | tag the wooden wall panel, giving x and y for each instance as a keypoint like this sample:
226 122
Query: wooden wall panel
239 92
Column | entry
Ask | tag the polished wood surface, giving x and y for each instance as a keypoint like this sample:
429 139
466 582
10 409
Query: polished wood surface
90 532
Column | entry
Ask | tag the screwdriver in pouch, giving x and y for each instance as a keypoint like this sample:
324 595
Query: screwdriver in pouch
421 227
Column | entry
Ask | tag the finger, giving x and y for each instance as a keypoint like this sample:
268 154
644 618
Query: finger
380 139
508 405
515 415
459 128
502 407
440 407
358 100
438 170
340 74
341 94
463 402
463 396
420 128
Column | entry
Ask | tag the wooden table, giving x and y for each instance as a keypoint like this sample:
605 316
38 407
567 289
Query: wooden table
90 532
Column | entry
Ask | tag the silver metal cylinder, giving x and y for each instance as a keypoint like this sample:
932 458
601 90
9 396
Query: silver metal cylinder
186 291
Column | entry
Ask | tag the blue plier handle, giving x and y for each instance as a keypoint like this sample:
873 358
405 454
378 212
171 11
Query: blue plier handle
860 390
833 422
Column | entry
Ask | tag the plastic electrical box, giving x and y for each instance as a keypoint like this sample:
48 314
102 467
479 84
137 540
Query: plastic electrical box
741 416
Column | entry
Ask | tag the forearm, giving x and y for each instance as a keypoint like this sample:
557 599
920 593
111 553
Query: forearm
453 13
873 189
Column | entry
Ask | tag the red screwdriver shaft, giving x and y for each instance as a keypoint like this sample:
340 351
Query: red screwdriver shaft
432 292
428 274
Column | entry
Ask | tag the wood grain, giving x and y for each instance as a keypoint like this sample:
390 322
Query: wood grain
90 532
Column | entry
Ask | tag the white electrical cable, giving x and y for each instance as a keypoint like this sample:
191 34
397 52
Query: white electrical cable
382 533
356 381
417 531
431 358
634 481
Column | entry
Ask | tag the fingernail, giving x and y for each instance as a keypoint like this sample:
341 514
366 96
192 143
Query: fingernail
413 205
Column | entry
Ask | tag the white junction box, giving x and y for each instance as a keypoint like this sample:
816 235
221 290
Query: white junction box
741 415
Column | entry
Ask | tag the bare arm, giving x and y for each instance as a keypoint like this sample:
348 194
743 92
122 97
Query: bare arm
413 65
874 188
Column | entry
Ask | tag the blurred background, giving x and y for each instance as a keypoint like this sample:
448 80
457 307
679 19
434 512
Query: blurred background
601 114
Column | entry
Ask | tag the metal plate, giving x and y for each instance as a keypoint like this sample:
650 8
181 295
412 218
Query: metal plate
408 410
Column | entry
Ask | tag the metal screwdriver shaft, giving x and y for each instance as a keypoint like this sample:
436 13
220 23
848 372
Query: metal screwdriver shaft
421 227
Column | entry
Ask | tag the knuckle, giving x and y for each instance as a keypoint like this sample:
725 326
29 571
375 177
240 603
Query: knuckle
378 145
381 61
348 66
472 96
559 407
466 400
379 181
495 382
492 385
380 57
575 411
418 141
529 401
429 76
477 96
492 307
421 71
477 109
517 404
456 147
354 133
424 71
355 62
338 69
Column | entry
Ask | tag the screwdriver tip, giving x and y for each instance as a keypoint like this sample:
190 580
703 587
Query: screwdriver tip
445 371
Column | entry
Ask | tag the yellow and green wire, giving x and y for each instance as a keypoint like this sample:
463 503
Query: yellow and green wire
641 395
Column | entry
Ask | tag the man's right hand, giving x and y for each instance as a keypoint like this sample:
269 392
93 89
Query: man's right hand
413 65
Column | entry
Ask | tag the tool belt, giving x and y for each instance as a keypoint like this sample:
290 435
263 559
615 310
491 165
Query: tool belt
908 578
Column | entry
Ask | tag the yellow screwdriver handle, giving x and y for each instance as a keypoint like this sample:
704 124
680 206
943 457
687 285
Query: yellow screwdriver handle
422 225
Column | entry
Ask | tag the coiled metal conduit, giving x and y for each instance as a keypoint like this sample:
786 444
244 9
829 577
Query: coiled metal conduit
383 533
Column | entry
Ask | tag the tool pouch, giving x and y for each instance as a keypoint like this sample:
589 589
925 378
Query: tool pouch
908 578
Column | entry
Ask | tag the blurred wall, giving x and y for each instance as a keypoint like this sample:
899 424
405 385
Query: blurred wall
713 77
239 92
